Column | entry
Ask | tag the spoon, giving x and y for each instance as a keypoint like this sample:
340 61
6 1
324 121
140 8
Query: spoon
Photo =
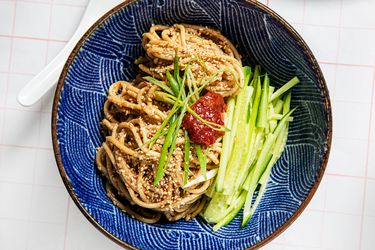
47 78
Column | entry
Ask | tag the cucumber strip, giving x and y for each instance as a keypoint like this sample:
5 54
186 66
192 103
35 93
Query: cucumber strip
253 183
227 146
254 154
286 106
249 152
279 117
246 171
258 123
283 121
280 142
278 107
261 164
270 92
256 102
233 197
216 208
241 157
256 75
262 112
239 143
285 138
246 184
259 141
273 122
210 191
267 128
278 149
294 81
247 75
261 191
230 216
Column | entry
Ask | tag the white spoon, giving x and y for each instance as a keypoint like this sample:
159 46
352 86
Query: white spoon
47 78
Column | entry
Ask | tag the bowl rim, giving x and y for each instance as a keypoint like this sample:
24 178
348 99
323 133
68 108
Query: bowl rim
290 30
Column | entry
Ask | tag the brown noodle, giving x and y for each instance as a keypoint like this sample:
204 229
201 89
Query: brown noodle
133 115
205 49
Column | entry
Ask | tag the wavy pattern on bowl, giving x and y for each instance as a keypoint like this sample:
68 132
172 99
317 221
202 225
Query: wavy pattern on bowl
106 55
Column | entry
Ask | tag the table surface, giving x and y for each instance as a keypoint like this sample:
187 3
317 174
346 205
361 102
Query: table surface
35 209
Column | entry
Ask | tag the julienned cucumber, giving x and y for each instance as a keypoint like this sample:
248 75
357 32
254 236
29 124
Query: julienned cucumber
258 119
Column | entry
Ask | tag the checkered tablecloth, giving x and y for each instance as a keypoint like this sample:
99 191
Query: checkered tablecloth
36 212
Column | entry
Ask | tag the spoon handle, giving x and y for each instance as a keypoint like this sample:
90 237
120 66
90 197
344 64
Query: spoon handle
47 78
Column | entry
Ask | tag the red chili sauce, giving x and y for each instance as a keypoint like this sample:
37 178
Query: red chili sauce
210 107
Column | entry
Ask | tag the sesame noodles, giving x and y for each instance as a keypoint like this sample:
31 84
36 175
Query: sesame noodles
206 50
133 114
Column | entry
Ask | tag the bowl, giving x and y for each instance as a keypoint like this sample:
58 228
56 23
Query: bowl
106 53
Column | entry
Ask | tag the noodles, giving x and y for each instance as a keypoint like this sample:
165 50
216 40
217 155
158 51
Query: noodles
128 158
132 118
206 50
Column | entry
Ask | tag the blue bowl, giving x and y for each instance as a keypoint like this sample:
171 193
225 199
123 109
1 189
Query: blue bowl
106 53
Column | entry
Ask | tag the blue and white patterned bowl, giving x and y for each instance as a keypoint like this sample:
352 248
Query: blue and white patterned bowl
106 54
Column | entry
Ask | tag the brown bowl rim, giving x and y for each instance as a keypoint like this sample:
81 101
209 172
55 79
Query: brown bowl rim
307 52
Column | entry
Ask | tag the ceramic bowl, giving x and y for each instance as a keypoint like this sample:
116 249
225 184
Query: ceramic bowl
106 53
